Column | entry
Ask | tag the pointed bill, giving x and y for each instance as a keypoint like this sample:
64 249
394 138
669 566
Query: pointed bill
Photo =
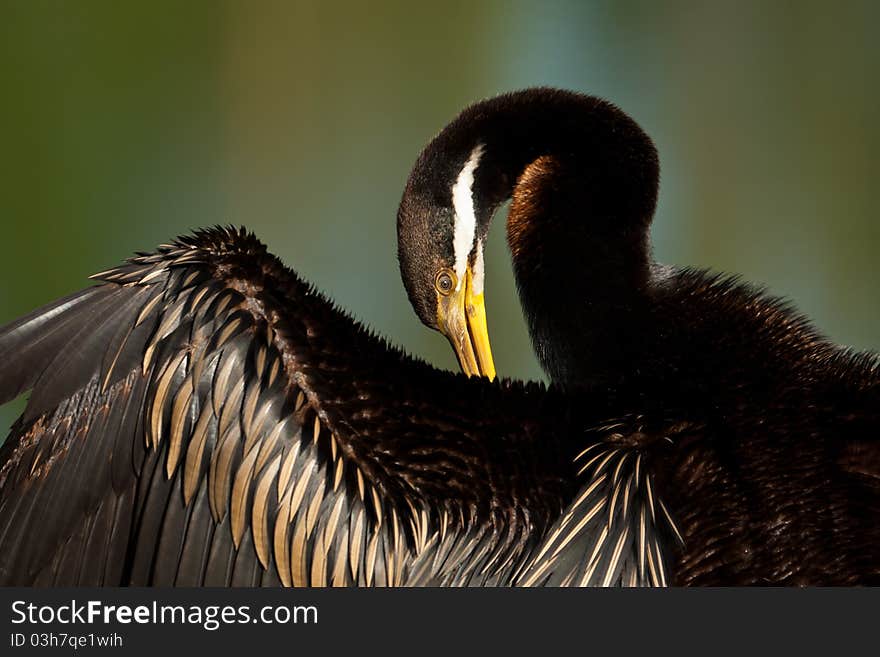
461 317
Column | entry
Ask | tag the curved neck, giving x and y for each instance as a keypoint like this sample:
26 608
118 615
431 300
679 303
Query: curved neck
582 177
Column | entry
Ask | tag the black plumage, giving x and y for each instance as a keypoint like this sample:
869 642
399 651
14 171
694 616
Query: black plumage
202 416
230 412
772 458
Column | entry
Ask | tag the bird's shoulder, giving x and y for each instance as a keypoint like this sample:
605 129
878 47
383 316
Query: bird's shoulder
723 335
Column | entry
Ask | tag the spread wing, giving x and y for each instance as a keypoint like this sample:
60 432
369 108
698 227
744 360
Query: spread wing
194 420
203 417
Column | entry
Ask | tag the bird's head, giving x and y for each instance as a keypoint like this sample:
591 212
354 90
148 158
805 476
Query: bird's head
441 228
582 177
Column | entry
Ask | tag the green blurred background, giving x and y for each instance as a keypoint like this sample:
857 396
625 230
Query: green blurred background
126 124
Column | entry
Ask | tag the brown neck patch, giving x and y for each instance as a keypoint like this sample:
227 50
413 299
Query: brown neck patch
527 201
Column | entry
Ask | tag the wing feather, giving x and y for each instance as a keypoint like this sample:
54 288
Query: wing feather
156 427
610 534
29 344
193 421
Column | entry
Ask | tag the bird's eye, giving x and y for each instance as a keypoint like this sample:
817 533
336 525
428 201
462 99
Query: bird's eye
445 282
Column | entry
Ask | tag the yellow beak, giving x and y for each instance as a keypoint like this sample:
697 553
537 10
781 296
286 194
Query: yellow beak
461 316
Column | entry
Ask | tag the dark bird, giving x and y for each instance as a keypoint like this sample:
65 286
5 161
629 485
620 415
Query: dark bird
204 417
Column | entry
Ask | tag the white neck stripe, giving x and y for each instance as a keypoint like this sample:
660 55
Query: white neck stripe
479 268
465 225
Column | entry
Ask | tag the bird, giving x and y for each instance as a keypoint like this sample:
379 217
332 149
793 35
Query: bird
203 416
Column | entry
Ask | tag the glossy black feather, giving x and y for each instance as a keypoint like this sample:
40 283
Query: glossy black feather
279 420
36 339
436 458
761 435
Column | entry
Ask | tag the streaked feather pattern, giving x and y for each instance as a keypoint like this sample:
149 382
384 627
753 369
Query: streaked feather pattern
203 417
609 535
221 460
